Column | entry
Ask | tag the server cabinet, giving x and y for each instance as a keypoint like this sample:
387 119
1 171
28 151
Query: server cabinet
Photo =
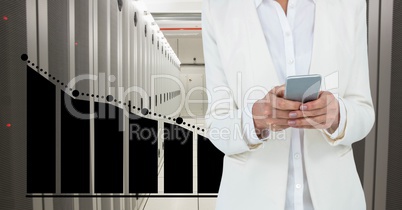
92 52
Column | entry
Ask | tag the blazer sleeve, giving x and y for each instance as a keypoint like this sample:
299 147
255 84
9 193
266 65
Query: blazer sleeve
224 117
357 99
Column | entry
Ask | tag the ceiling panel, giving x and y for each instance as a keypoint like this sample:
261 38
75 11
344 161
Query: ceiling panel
177 18
174 6
176 13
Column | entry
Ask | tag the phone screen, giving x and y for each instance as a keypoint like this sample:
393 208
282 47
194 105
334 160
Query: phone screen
303 88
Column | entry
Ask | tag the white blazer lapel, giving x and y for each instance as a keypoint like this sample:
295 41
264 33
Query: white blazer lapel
258 55
324 59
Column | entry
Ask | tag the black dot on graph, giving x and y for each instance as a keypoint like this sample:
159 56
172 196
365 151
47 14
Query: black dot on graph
76 93
24 57
144 111
41 70
198 128
54 78
62 84
97 96
109 98
193 126
58 81
33 64
174 119
71 89
115 100
45 72
184 123
37 67
50 75
119 102
188 125
164 117
202 130
29 61
87 94
133 107
92 95
124 104
82 94
169 118
102 96
179 120
138 109
160 115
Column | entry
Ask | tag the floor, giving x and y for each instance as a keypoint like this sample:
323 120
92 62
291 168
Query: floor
193 203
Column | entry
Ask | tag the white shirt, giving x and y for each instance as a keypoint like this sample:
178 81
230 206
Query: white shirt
290 41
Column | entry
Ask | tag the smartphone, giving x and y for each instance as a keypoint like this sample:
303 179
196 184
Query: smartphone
303 88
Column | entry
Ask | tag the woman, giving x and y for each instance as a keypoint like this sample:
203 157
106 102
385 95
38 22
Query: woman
282 154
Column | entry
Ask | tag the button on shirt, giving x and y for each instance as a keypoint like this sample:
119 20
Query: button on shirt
290 41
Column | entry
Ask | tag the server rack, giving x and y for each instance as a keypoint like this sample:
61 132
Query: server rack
99 48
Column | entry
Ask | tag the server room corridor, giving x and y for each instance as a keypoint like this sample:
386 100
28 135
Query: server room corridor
181 24
139 67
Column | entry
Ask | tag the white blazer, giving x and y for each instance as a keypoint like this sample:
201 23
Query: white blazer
237 60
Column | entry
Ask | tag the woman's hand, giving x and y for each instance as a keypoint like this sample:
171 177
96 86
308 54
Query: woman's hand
322 113
272 113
